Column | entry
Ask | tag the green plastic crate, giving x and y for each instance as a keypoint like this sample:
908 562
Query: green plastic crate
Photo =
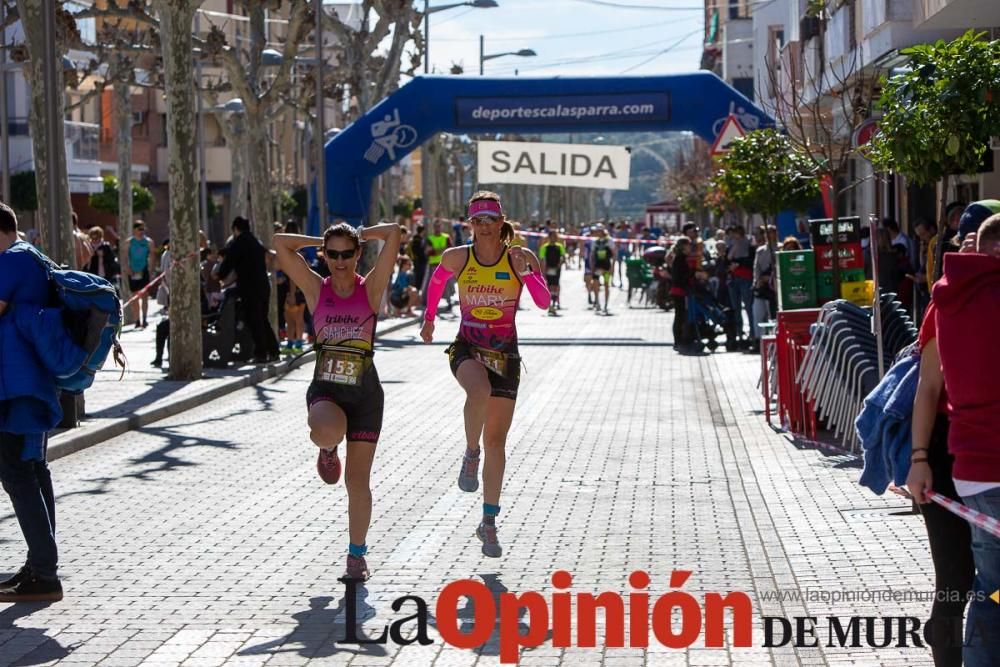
797 294
796 265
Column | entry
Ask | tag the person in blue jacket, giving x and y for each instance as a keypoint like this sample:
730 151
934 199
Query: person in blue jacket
23 470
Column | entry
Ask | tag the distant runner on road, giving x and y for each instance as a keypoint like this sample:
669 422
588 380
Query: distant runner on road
553 255
484 357
602 261
345 398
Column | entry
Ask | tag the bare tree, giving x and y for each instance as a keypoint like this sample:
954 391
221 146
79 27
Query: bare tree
175 18
819 105
125 56
33 56
688 179
262 96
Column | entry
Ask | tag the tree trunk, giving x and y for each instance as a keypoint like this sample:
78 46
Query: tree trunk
260 194
234 130
61 249
123 120
260 178
185 275
942 230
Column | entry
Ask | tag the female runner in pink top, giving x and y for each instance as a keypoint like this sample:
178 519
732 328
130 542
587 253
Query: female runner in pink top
345 398
484 357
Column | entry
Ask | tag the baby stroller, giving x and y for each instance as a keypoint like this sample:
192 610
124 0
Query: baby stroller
708 319
640 279
658 290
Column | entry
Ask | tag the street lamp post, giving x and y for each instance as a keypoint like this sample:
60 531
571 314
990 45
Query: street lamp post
483 57
425 182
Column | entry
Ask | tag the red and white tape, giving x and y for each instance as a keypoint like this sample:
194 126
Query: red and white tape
984 521
155 281
631 239
987 523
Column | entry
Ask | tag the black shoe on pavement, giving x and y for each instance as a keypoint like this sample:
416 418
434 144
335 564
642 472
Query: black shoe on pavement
156 363
32 589
14 580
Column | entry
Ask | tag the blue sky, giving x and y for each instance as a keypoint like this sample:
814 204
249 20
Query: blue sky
632 37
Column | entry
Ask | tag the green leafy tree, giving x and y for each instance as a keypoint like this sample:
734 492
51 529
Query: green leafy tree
764 173
106 200
939 114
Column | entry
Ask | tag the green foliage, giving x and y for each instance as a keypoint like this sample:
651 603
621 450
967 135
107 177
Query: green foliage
106 201
404 206
23 193
214 209
301 197
940 114
764 173
285 202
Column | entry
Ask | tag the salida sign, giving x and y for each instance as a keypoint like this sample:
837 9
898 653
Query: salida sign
573 165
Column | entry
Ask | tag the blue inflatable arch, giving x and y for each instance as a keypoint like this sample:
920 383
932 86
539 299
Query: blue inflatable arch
698 102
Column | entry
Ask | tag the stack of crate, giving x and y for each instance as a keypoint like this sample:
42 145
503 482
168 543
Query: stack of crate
796 279
851 255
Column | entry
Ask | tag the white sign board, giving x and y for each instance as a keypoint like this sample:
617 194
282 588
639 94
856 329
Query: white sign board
573 165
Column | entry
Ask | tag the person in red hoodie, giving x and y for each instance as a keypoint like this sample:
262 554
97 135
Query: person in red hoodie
967 299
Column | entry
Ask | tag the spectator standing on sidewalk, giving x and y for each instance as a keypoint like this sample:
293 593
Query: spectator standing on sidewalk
949 536
246 257
966 320
23 470
81 244
763 283
680 279
104 260
139 253
741 278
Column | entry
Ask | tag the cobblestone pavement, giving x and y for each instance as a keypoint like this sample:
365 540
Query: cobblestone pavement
207 539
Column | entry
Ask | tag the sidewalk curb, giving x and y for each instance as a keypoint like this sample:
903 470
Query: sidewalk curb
81 438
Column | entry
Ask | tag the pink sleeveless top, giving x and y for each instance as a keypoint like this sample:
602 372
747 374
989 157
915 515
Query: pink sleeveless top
345 321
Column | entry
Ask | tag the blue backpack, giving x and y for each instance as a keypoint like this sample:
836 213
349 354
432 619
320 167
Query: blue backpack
92 315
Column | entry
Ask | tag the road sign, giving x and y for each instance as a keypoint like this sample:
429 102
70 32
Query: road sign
731 131
864 133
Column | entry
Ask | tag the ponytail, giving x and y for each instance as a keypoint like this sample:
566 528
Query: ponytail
507 233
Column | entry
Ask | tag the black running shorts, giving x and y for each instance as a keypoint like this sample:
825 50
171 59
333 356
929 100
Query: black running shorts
500 386
136 284
363 405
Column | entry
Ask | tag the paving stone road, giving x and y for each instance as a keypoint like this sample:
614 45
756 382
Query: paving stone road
207 538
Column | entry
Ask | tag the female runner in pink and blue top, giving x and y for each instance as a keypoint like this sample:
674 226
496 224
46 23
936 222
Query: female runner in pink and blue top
484 357
345 398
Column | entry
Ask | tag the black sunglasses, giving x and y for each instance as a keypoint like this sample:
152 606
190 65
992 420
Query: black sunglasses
340 254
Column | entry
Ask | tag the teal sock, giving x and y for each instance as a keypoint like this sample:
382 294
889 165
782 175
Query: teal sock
357 550
490 513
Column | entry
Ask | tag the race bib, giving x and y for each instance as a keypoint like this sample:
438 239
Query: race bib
340 365
493 360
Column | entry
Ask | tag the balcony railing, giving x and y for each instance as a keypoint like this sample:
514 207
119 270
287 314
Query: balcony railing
84 139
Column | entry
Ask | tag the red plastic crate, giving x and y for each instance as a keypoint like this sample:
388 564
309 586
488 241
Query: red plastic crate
851 257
